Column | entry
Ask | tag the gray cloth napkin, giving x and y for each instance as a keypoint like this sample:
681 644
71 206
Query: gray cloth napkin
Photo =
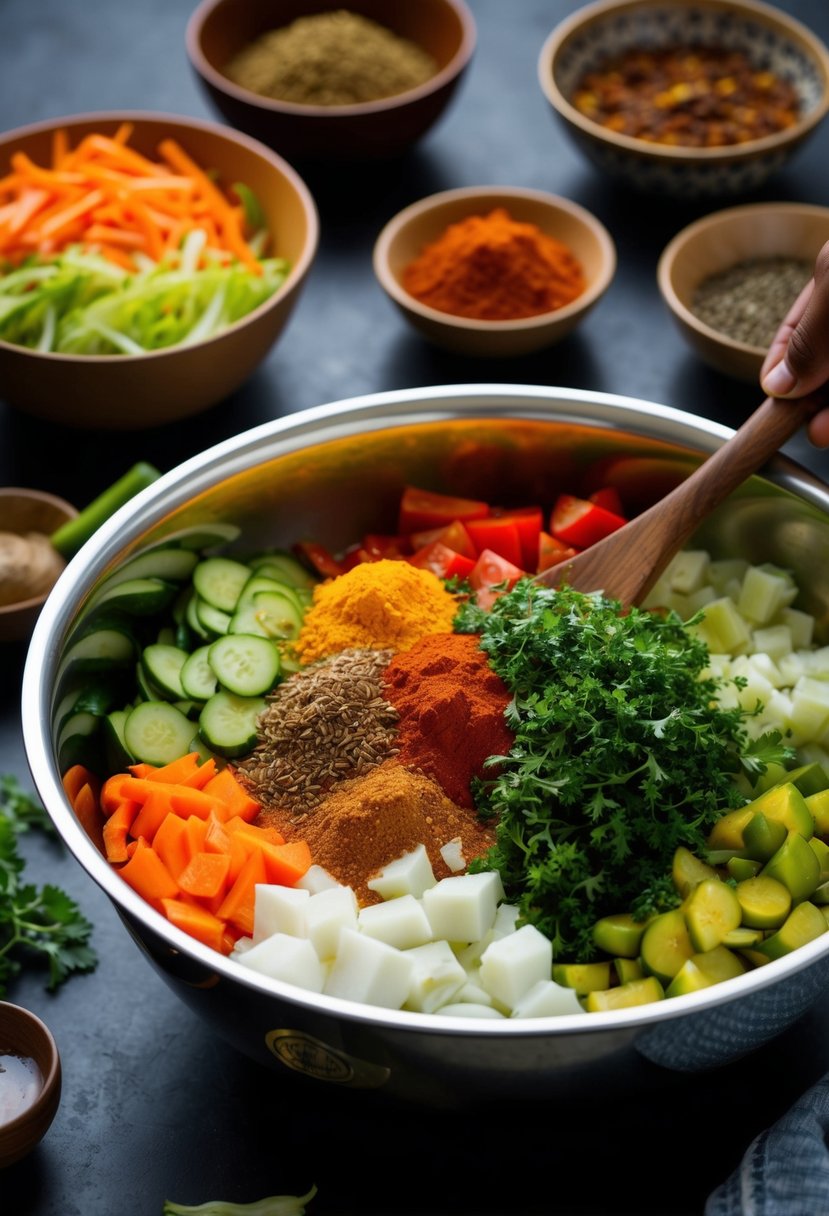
785 1170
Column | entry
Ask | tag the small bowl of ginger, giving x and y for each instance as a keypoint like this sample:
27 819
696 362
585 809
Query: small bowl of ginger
29 563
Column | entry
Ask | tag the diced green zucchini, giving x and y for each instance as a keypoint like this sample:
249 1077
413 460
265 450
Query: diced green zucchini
796 866
804 923
765 902
711 910
619 934
582 977
666 944
134 596
688 871
625 996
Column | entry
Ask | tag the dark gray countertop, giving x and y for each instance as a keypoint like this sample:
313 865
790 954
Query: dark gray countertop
154 1105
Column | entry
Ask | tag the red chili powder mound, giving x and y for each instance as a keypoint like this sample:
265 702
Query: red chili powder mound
451 706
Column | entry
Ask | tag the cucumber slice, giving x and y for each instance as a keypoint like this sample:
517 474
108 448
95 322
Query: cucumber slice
198 679
73 744
285 568
270 614
170 564
191 618
115 745
100 650
135 596
220 580
245 664
263 582
157 733
228 723
163 665
213 620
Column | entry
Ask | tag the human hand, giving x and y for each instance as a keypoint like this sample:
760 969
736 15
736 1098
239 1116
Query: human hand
797 363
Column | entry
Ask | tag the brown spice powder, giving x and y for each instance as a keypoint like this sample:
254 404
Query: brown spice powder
365 823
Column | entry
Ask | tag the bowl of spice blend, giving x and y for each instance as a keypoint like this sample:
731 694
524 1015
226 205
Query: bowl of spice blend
730 278
29 563
686 97
328 82
492 270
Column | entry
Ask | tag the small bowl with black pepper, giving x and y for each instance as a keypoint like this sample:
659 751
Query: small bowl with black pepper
686 98
321 82
730 278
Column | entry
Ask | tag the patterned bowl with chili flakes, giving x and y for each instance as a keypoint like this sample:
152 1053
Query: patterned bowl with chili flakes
686 98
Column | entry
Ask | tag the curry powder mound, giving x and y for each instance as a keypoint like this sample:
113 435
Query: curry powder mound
376 605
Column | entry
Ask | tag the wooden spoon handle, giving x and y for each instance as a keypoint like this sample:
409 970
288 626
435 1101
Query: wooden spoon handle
626 564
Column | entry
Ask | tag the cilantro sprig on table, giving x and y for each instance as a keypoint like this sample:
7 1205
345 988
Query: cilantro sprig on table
621 754
36 923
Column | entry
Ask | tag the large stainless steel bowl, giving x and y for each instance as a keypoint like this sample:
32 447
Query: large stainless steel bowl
331 473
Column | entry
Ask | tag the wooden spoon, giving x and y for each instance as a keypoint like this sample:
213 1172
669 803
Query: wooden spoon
625 565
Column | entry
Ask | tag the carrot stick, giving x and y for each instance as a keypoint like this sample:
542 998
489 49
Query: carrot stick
237 906
229 790
115 831
199 923
286 863
75 778
147 874
172 844
205 875
88 811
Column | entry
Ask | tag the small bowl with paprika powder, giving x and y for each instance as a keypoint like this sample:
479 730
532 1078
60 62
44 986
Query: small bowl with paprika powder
493 270
686 98
730 278
331 82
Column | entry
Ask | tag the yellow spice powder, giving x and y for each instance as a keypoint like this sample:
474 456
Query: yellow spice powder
377 606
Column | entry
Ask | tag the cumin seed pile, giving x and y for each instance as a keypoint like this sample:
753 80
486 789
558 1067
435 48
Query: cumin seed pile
328 722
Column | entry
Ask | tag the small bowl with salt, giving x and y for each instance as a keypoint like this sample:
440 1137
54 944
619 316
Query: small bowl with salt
321 82
30 1082
730 278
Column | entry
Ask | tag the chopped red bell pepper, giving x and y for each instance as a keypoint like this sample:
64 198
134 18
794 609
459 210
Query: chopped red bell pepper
420 509
454 535
529 521
378 545
490 570
498 533
442 561
609 498
580 522
551 552
318 558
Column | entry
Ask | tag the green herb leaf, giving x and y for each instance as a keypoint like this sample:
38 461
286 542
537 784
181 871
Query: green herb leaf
622 753
43 926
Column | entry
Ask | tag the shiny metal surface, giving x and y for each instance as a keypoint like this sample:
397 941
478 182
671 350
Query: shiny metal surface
332 472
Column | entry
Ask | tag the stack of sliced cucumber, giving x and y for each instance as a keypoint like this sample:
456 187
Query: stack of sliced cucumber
175 652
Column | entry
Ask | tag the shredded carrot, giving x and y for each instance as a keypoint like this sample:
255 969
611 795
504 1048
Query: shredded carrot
103 181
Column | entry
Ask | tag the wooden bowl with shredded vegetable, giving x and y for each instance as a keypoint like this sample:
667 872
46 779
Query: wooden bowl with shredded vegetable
149 263
729 278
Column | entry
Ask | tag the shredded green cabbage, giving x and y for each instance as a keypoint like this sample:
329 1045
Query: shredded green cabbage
80 303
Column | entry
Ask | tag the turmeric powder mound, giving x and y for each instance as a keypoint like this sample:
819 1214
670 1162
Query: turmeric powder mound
375 605
495 268
369 821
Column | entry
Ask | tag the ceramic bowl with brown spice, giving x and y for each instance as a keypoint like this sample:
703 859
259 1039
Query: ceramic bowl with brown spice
729 278
754 51
300 126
